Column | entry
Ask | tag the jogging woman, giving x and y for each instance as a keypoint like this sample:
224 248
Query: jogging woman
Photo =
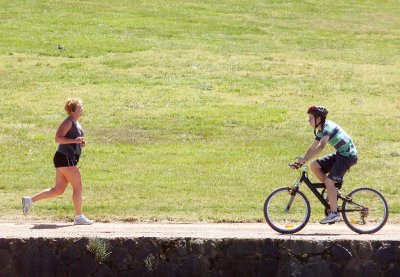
70 138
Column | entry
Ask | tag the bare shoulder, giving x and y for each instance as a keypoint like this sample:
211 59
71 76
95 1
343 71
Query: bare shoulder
66 123
65 126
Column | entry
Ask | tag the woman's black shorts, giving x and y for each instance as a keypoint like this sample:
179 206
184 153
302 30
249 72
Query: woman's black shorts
61 160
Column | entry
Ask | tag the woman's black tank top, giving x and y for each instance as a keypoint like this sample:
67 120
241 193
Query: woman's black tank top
72 149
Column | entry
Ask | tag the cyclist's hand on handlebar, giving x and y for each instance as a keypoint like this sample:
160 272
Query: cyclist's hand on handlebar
300 160
295 165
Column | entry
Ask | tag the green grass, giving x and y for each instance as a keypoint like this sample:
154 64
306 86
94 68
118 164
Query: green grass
193 108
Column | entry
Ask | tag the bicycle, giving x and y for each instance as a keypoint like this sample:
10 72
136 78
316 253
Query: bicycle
287 209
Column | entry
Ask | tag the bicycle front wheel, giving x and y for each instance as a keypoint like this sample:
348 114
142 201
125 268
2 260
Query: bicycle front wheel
286 213
365 211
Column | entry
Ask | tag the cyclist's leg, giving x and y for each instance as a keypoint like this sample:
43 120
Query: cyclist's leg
318 172
332 193
336 175
322 166
325 165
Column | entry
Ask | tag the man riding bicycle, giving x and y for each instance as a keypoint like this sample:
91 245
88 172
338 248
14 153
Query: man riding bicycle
336 164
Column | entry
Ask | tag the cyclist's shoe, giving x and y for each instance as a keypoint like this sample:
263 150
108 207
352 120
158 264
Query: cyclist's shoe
331 218
26 204
82 220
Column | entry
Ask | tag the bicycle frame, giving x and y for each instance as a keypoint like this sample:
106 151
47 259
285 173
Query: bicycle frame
314 188
358 221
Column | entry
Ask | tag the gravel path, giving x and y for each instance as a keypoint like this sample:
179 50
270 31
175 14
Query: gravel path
338 231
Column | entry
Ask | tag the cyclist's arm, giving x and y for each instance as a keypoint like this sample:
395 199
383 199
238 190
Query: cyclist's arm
315 148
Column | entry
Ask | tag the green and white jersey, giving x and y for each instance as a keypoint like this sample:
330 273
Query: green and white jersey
338 138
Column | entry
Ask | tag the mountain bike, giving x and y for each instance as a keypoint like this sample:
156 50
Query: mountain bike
287 209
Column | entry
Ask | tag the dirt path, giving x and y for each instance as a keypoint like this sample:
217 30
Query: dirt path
338 231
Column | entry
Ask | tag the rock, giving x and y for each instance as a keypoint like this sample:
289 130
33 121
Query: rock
144 249
200 257
196 266
269 267
131 245
49 263
25 261
17 246
239 249
241 266
5 258
393 272
361 268
338 270
7 267
163 268
141 270
196 246
363 249
104 271
176 251
85 266
299 247
210 249
292 268
70 254
202 247
320 268
120 259
340 254
268 248
385 255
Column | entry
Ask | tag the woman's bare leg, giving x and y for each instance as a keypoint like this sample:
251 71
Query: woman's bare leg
73 176
61 185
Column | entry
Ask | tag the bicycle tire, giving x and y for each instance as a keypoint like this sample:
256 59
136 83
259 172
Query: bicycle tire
375 210
282 220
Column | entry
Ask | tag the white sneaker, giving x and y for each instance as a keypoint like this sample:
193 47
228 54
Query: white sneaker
331 218
82 220
26 204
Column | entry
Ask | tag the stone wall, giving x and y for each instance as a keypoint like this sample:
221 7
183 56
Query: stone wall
199 257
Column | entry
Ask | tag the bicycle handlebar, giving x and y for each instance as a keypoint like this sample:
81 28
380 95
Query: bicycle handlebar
295 165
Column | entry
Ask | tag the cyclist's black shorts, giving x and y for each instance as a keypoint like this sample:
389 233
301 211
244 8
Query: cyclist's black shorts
61 160
337 165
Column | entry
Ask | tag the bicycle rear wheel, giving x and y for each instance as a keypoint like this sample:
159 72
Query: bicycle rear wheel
286 213
366 212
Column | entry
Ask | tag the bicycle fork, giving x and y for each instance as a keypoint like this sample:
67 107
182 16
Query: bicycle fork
292 193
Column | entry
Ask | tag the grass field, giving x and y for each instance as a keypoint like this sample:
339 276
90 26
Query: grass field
193 108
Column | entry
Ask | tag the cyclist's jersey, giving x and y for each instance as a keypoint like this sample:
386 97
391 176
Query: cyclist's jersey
338 138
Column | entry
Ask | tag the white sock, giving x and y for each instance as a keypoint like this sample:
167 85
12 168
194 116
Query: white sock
30 202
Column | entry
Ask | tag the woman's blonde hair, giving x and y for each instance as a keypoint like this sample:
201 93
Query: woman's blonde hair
71 104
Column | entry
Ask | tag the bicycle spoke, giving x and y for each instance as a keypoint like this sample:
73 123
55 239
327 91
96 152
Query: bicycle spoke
367 212
286 213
